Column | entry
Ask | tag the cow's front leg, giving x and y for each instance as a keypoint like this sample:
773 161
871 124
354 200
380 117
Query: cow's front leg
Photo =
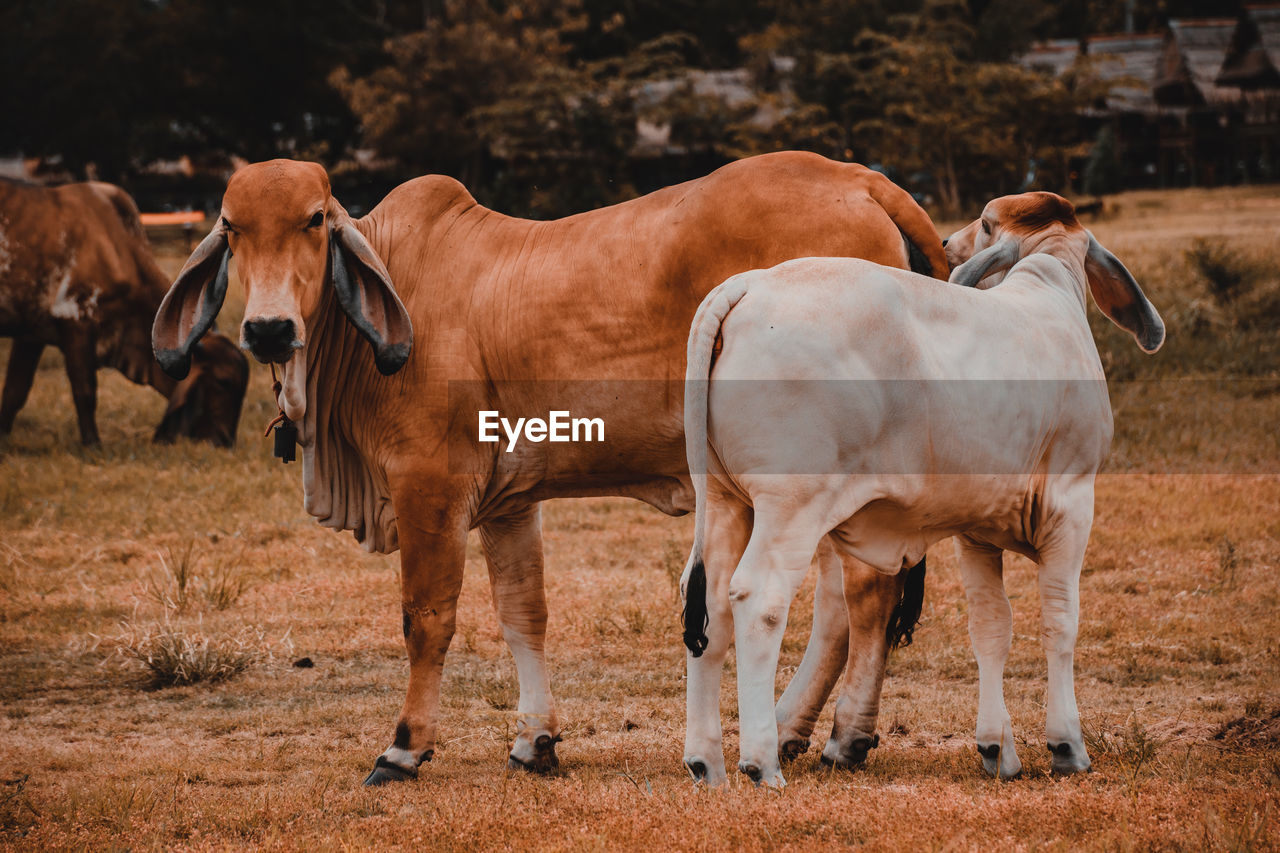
870 598
24 356
728 526
78 349
991 632
824 659
432 555
760 594
1060 563
513 550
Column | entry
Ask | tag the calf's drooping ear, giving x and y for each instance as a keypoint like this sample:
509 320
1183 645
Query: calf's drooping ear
995 258
192 303
1120 298
368 299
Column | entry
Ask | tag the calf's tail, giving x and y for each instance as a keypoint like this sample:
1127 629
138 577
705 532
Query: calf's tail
906 613
701 355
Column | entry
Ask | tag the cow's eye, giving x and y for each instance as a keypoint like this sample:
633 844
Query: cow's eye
316 221
986 227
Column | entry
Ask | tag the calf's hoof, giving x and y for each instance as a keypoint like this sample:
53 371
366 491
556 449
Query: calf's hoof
792 748
538 757
762 777
384 773
705 772
851 756
1069 759
1002 765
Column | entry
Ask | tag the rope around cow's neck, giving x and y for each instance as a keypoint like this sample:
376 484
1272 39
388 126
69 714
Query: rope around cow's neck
276 387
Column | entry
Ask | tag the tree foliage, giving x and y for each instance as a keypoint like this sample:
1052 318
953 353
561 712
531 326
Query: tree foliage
535 104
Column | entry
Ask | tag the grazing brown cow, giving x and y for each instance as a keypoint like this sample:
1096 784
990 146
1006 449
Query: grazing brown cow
76 273
587 314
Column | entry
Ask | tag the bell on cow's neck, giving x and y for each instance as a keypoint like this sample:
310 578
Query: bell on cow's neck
286 436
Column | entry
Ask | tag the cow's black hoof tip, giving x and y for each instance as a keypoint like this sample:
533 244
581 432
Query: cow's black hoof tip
697 769
544 758
753 772
990 751
384 773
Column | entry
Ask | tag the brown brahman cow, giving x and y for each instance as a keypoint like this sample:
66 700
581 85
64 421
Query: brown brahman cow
473 314
76 273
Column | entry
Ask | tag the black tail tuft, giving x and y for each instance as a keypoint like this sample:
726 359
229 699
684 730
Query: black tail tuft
906 613
917 261
695 619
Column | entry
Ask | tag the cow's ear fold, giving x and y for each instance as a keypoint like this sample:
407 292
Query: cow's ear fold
192 303
1120 298
367 296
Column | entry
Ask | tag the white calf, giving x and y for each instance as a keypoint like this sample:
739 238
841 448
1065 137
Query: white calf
980 415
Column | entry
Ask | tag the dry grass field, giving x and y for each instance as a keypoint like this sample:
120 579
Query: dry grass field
203 557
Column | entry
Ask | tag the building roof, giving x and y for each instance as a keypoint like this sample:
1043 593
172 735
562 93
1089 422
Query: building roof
1191 60
1253 58
1128 64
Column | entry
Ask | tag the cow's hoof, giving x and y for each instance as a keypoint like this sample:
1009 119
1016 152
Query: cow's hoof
384 773
1002 766
704 772
849 757
541 758
1068 759
760 776
792 749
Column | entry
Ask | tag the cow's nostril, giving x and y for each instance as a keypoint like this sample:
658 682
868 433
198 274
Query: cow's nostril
270 339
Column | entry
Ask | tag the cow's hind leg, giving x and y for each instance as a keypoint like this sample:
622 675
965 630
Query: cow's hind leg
78 348
783 539
991 632
20 374
870 597
432 555
824 659
513 550
1061 560
728 527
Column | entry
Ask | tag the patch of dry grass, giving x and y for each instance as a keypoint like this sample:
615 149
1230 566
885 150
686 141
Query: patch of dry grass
1178 663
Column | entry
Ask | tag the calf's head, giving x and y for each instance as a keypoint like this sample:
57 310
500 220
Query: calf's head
291 240
206 404
1015 226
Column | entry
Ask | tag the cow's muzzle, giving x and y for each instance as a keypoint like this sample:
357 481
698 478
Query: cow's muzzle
271 339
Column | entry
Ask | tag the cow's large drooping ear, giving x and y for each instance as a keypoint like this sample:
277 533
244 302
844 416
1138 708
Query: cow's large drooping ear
192 303
1120 298
367 297
995 258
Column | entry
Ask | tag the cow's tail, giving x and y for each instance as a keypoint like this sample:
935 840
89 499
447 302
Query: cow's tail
906 613
701 355
924 247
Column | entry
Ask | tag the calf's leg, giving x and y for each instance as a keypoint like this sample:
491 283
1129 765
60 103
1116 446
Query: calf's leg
728 527
1060 563
774 564
991 632
24 356
513 550
824 658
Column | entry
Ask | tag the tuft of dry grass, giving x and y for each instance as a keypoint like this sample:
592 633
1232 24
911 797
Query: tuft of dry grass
1178 666
174 656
